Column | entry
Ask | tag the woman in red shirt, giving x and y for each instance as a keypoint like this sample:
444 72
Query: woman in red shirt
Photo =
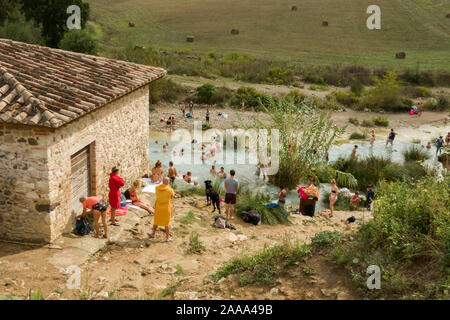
115 183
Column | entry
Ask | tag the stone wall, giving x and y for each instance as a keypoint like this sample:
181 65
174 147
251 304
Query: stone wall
35 165
118 135
24 187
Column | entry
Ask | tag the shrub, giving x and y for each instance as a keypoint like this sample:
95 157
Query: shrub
357 87
368 123
440 103
278 75
386 95
79 41
415 153
358 136
353 121
417 92
195 245
263 267
380 121
166 90
206 126
296 96
326 238
348 99
372 170
18 29
206 92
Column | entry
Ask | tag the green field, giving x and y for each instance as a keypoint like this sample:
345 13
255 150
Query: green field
269 29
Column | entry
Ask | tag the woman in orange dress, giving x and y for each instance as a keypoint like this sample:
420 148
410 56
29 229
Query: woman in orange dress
163 208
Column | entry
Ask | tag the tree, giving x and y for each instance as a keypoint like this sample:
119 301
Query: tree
52 14
305 136
8 7
79 41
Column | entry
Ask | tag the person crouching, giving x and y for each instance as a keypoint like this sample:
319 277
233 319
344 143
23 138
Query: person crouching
97 207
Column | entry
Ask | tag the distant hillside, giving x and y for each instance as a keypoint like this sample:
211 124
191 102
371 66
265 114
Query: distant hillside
269 28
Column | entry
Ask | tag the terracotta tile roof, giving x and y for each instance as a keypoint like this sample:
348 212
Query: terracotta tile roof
51 87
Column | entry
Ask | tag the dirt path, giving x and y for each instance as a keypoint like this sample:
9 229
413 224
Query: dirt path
137 267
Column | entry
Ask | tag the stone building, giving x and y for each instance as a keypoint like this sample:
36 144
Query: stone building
65 120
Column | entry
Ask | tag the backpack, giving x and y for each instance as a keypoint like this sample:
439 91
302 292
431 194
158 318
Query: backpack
252 216
127 194
219 222
83 227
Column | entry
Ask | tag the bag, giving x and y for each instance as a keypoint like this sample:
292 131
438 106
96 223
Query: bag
127 194
252 216
83 227
220 222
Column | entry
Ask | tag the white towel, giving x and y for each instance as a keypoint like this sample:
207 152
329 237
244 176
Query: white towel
150 186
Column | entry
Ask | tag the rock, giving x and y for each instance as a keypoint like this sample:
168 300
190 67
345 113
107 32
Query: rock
189 39
274 291
10 282
103 294
186 295
325 23
129 285
294 8
327 292
52 296
234 31
166 269
59 291
131 24
242 237
232 237
355 261
105 259
101 279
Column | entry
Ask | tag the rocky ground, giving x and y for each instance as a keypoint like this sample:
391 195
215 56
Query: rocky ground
132 266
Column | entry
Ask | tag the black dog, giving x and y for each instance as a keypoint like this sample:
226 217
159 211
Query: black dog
212 196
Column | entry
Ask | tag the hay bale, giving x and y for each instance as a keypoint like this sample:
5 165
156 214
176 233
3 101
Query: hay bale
400 55
294 8
325 23
448 15
131 24
189 39
235 31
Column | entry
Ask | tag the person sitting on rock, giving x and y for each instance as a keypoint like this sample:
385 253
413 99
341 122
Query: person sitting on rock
135 200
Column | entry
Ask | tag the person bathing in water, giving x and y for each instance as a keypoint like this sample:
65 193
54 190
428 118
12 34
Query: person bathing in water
135 200
172 172
213 170
282 196
372 138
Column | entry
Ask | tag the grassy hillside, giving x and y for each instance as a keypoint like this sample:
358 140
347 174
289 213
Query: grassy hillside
268 28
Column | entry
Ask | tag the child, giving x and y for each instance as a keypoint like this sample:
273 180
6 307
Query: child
135 200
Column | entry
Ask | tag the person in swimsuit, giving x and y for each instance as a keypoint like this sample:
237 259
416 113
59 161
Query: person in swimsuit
355 200
188 177
97 207
353 156
207 115
222 174
391 138
282 196
135 200
333 196
372 139
157 172
172 172
183 109
447 139
213 170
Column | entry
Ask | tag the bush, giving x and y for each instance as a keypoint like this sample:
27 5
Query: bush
18 29
326 238
415 153
296 96
440 103
353 121
380 121
205 92
79 41
387 95
206 126
357 87
348 99
358 136
166 90
417 92
372 170
279 76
